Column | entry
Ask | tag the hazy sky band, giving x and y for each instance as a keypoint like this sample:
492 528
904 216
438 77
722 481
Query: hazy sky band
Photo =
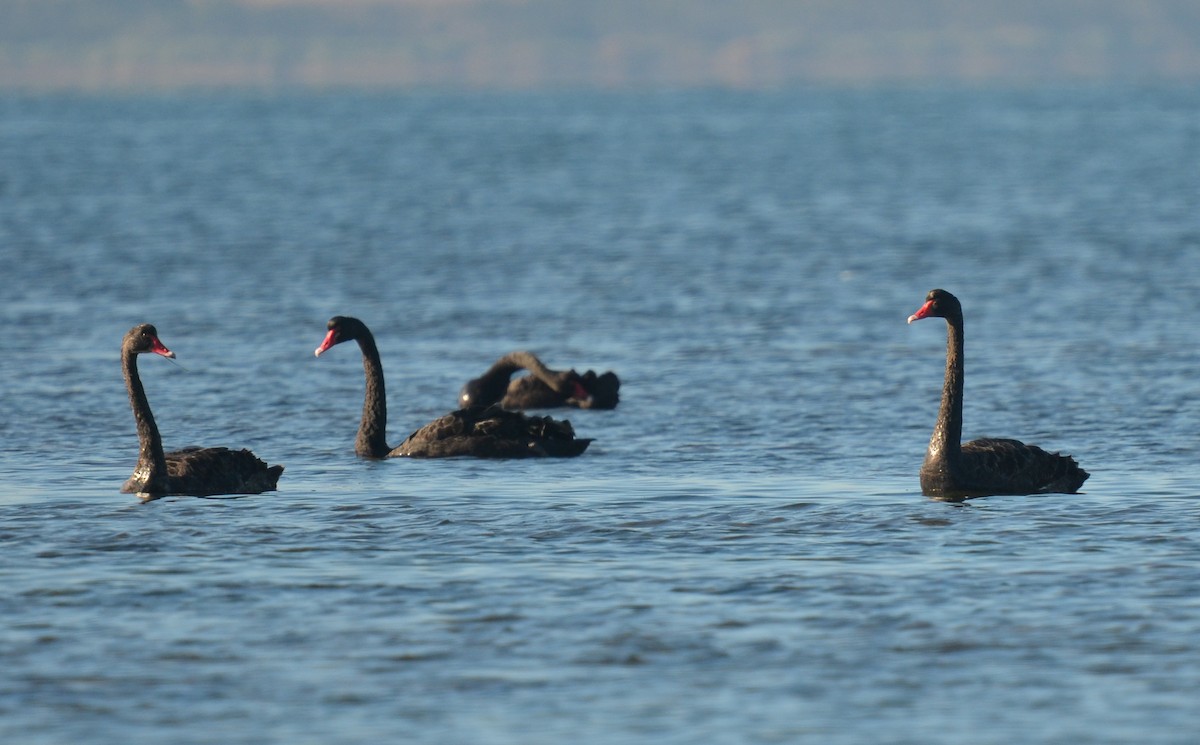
584 43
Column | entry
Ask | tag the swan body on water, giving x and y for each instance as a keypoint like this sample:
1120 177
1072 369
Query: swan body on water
543 388
956 470
482 432
192 471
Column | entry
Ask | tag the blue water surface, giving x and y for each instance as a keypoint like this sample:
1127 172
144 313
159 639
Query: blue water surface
743 555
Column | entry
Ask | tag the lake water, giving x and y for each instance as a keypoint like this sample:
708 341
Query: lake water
742 556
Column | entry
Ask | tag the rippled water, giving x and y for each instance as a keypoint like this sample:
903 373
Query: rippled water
743 554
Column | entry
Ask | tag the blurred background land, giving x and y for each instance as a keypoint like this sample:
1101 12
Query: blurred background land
514 44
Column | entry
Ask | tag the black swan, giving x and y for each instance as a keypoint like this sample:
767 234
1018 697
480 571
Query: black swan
195 472
987 466
482 432
542 389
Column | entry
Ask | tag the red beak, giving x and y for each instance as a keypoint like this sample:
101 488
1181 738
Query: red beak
330 340
921 312
157 347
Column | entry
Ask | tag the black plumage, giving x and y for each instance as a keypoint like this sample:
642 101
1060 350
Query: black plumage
543 388
192 471
482 432
956 470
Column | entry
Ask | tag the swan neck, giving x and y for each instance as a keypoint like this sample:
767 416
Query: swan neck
502 370
372 431
150 474
528 361
947 432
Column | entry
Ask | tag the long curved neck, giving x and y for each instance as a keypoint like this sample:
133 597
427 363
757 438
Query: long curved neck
502 370
945 444
492 386
150 474
372 431
528 361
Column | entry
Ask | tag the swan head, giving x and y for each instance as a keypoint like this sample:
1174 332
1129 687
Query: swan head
576 392
340 329
144 338
938 304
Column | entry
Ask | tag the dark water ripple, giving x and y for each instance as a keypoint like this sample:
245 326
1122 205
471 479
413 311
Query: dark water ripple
742 555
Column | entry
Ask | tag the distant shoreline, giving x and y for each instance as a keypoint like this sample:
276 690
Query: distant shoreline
537 44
